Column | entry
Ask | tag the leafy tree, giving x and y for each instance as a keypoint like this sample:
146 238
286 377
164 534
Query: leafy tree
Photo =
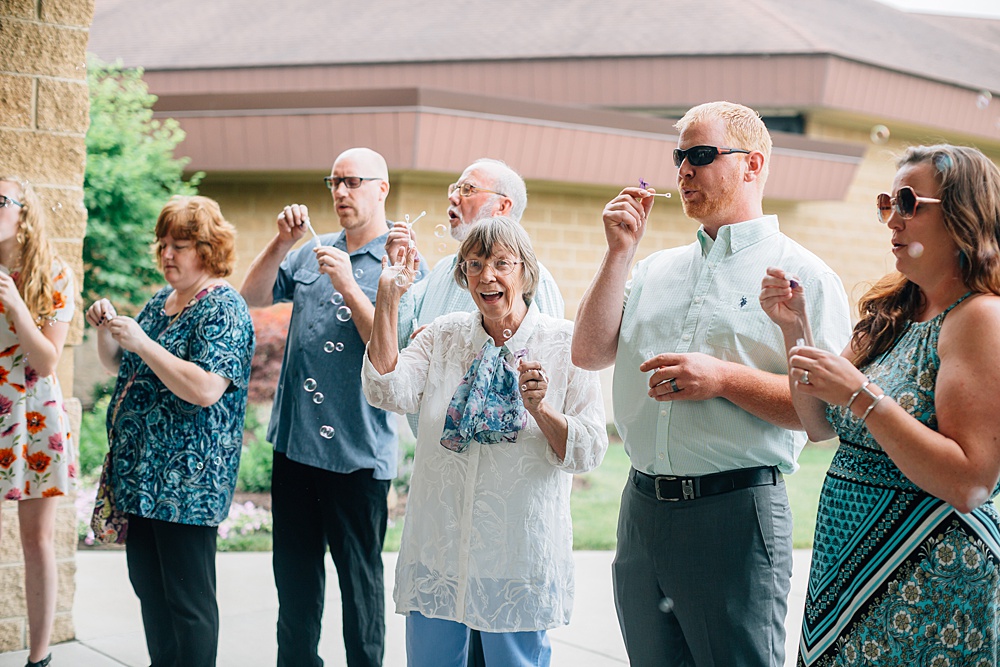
131 173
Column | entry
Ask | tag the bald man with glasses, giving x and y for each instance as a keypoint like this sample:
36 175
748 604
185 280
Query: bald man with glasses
334 454
702 401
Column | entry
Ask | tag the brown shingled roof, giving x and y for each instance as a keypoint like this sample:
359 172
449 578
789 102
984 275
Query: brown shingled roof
198 34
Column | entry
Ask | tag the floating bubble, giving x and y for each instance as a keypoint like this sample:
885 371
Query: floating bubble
507 333
309 384
329 347
326 432
344 313
337 298
983 99
879 134
666 605
440 231
442 247
339 347
915 250
57 207
358 273
318 397
401 280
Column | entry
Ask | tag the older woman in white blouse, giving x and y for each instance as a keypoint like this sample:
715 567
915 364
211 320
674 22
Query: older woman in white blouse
505 419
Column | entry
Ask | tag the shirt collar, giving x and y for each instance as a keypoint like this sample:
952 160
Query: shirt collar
520 338
740 235
375 247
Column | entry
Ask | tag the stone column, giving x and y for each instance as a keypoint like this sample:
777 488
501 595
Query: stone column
44 113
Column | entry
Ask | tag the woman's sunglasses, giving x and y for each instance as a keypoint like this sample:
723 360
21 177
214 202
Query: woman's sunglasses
699 156
904 204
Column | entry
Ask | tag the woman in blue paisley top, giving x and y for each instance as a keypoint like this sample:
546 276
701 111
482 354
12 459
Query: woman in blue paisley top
907 544
175 424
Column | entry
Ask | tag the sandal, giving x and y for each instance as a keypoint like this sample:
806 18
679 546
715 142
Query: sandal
44 662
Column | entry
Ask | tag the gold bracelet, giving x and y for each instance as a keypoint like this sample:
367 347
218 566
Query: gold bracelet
871 407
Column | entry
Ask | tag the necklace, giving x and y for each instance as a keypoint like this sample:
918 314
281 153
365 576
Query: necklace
194 298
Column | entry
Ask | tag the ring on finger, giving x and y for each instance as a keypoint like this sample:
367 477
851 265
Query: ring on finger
805 378
673 385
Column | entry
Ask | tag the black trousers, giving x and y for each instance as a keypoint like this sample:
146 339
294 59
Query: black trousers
313 510
172 570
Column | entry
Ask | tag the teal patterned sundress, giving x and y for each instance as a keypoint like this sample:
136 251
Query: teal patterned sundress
898 576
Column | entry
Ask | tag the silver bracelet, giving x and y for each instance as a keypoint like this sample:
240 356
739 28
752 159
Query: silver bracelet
871 407
857 393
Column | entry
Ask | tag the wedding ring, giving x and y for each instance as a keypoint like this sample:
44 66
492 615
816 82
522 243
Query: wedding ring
673 385
805 378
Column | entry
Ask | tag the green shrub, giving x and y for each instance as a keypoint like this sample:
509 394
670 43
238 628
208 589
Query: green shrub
93 443
255 463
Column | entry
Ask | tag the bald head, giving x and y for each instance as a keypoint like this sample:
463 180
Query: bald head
366 160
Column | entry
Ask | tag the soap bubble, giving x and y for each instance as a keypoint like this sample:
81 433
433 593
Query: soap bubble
337 298
418 275
666 605
344 313
442 247
326 432
358 273
401 280
879 134
983 99
329 346
309 384
57 207
318 397
507 333
915 250
440 231
339 347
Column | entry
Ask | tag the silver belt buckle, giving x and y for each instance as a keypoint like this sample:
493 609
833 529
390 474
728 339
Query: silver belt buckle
687 488
656 487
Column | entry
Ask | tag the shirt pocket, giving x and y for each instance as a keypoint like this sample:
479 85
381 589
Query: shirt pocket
741 331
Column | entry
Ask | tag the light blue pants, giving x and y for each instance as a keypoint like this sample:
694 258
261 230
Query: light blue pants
432 642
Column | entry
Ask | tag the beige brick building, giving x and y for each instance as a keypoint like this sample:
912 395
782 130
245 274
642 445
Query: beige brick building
43 119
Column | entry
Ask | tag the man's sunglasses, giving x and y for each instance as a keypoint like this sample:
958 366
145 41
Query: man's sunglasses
904 204
352 182
6 201
699 156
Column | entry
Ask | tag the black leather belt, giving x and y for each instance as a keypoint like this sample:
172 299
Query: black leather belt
672 489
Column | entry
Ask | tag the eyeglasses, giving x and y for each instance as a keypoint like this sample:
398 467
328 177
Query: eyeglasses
467 190
501 267
904 204
352 182
6 201
699 156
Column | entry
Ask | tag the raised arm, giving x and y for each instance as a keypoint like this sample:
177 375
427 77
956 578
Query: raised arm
599 316
258 285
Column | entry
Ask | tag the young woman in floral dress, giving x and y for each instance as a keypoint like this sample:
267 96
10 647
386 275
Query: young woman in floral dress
37 454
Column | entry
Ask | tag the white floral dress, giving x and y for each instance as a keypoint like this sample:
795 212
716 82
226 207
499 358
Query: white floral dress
37 453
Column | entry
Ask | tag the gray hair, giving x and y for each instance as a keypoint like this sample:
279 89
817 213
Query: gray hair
509 182
503 232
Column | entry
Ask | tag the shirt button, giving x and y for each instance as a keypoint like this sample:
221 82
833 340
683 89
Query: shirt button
199 466
663 413
697 299
218 460
686 337
660 456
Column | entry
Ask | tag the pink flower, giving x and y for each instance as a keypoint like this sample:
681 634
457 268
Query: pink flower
72 470
13 494
30 376
9 430
6 405
56 442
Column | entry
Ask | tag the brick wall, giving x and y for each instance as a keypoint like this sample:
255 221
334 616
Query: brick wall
43 118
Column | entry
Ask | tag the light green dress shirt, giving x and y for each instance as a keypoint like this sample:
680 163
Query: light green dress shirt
704 297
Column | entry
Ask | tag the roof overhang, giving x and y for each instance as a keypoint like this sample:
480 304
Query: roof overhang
421 129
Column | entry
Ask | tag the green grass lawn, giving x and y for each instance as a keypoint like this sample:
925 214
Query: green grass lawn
597 495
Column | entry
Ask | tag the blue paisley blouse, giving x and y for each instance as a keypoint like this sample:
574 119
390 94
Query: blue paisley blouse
172 460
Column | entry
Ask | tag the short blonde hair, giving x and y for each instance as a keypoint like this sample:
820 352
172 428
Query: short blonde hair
500 231
200 219
744 128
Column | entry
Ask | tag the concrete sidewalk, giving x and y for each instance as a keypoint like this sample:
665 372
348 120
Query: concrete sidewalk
109 628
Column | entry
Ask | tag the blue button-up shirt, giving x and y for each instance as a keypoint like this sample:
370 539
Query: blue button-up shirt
363 437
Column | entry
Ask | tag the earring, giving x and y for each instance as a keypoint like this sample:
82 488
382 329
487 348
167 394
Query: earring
20 236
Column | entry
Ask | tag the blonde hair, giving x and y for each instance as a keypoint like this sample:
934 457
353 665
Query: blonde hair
199 219
34 280
744 128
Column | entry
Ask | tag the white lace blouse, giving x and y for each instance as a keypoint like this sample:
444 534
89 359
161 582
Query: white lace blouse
488 538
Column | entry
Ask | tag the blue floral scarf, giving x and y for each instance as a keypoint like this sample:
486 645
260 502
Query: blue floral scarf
487 405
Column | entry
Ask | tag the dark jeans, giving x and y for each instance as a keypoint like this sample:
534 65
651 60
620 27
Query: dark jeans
172 570
313 510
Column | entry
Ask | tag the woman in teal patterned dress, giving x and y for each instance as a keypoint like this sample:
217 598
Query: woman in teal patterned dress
907 544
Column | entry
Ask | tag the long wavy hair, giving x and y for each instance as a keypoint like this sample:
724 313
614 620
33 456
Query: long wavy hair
34 278
970 204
